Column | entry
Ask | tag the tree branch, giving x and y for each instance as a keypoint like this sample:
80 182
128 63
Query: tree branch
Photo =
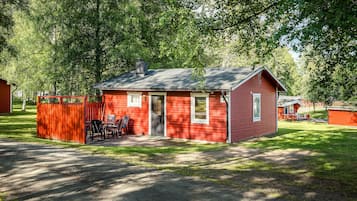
247 19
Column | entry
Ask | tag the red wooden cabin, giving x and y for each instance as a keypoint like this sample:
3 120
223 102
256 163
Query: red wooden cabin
288 107
342 115
5 97
230 105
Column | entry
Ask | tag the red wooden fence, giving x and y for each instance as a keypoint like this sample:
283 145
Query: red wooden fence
64 117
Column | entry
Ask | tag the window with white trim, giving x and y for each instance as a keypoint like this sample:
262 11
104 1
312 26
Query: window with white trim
134 99
200 108
289 109
257 107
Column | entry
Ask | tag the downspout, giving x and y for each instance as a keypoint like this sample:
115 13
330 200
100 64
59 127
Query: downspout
228 140
276 108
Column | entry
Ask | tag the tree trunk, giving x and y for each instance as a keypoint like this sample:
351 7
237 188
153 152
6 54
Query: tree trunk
98 48
23 102
313 106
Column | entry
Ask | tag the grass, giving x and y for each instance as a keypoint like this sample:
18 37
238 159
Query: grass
329 166
318 114
336 148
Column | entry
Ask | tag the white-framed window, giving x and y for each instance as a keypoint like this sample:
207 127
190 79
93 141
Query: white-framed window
289 109
134 99
200 108
257 110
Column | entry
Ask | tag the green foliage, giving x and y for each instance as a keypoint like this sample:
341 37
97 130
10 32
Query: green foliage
90 41
321 114
29 68
326 30
84 42
7 8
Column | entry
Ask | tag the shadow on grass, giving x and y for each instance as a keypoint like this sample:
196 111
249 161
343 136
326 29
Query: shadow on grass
336 149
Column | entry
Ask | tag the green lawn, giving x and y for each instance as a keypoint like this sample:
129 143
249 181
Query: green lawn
336 148
318 114
302 159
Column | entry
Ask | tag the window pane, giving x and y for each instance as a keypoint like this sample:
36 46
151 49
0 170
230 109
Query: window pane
200 108
134 100
256 107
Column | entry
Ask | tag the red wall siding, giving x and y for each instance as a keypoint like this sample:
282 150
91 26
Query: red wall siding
296 107
242 124
5 97
340 117
178 107
178 115
116 103
280 113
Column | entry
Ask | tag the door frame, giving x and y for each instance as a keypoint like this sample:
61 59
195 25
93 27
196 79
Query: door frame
158 94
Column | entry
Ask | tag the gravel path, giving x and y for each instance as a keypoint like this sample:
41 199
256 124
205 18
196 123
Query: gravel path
40 172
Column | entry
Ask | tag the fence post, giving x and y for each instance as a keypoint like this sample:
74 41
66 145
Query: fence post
85 101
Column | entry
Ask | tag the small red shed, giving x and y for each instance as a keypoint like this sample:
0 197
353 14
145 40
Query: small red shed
288 107
231 104
342 115
5 97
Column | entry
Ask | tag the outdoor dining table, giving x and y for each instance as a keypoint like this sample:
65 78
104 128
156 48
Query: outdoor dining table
110 126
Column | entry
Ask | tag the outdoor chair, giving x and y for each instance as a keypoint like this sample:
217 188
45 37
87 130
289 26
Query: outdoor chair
123 128
111 119
110 126
97 129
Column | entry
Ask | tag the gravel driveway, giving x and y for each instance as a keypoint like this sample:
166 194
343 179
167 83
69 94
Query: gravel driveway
40 172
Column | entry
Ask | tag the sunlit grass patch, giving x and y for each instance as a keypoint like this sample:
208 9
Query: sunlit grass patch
336 147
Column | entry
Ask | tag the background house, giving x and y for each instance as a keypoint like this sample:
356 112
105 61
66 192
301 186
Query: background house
5 97
230 105
288 107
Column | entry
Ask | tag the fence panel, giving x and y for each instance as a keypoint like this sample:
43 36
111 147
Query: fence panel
94 111
61 121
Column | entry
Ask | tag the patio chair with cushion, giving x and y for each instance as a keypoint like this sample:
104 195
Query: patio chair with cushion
110 126
97 129
111 119
123 128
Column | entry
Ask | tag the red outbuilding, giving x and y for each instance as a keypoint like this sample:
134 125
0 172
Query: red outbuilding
229 105
5 97
342 115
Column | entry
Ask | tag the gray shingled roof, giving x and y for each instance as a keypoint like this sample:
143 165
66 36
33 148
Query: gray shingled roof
285 101
180 79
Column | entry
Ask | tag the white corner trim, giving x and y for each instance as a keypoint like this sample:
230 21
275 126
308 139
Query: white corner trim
271 74
229 140
10 98
276 108
255 73
199 121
